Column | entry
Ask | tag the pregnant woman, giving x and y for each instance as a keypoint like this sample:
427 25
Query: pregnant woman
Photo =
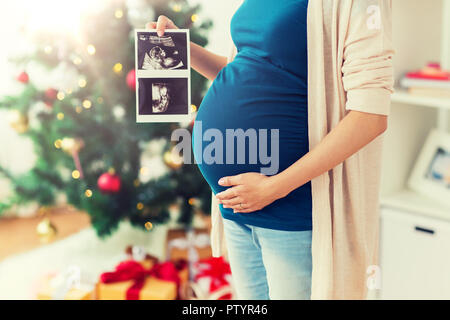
320 75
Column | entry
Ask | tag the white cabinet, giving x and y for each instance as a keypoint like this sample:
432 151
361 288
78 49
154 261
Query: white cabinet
415 256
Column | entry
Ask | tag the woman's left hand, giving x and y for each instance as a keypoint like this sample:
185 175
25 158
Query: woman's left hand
248 192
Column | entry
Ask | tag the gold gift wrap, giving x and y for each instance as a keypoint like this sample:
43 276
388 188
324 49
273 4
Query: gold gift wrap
153 289
47 291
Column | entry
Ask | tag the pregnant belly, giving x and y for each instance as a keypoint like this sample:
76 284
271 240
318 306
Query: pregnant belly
236 102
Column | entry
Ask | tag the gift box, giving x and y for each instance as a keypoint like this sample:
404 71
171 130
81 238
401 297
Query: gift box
68 285
133 280
191 245
137 253
147 260
212 281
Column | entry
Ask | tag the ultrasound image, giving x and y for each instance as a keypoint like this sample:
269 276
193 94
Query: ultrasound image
160 97
168 52
163 96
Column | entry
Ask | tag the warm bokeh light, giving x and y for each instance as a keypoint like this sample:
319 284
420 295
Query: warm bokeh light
118 14
91 49
82 83
88 193
87 104
76 174
117 68
58 15
60 95
58 144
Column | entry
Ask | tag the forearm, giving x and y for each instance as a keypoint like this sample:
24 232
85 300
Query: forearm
205 62
355 131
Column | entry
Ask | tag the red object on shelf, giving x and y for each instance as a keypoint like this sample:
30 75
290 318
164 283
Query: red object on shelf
109 183
432 71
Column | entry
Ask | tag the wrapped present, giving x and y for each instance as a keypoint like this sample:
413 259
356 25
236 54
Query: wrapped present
191 245
196 292
139 254
68 285
131 280
147 260
212 280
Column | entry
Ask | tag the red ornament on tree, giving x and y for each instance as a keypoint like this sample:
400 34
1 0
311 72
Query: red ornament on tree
131 80
109 182
50 96
23 77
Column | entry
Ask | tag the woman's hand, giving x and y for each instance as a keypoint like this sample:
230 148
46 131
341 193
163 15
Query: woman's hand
203 61
161 25
249 192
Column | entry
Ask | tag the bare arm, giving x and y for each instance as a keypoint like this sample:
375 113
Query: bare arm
203 61
356 130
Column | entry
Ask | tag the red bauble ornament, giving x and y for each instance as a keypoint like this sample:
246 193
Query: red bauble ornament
109 183
50 96
23 77
131 80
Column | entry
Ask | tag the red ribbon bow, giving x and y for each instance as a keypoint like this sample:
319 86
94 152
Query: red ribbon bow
133 270
216 269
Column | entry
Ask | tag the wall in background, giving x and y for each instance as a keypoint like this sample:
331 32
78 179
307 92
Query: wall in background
417 39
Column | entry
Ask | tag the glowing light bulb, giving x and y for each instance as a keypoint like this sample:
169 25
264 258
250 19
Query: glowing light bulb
118 14
76 174
77 61
82 83
48 49
87 104
176 7
91 49
117 68
148 225
58 143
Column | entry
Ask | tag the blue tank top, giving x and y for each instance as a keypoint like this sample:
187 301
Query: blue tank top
264 87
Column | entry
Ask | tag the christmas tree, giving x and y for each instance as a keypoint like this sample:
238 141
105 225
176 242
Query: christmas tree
84 132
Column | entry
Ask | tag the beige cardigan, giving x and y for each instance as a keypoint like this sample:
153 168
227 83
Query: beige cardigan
350 68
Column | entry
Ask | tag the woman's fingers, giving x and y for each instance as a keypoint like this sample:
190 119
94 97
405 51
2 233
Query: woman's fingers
161 25
232 202
164 23
243 211
151 25
228 194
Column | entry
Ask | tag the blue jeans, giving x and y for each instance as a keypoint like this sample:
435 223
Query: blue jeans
269 264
